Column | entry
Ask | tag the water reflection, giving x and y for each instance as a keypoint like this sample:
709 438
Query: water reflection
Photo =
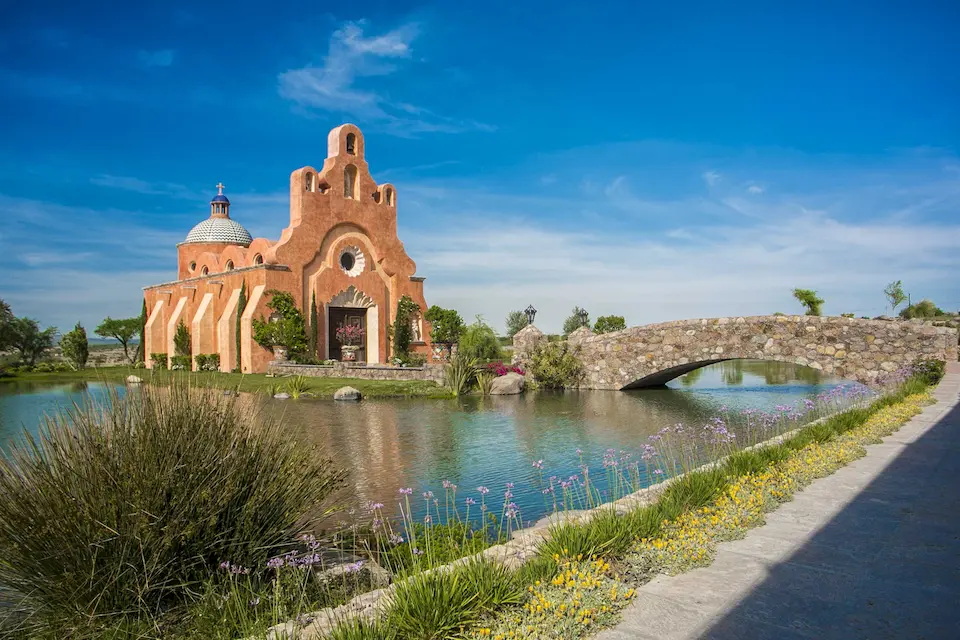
388 444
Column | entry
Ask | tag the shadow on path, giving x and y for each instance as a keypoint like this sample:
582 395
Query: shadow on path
886 566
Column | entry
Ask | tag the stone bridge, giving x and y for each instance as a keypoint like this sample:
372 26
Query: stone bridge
850 348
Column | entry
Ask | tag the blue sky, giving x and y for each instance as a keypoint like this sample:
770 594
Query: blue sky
655 160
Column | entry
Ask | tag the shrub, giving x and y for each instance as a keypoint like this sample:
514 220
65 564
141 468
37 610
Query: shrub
402 331
556 365
499 369
606 324
208 362
180 363
75 347
930 371
158 361
164 485
922 309
479 341
289 331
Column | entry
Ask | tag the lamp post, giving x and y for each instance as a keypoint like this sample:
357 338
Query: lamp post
531 313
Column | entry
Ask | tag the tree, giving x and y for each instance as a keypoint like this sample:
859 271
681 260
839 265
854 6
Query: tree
446 325
312 327
142 346
516 320
6 326
121 330
606 324
182 344
480 342
75 347
809 299
29 341
578 318
922 309
241 305
895 295
402 331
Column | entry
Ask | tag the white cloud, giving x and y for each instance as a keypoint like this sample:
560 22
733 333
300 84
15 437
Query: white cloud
754 189
335 84
147 188
159 58
711 178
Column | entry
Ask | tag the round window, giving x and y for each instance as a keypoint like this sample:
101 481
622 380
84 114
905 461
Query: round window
352 261
193 267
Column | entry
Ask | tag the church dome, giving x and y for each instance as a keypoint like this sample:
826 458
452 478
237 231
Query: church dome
220 230
219 227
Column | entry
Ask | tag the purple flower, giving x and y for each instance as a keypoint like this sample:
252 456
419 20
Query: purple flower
509 485
470 502
275 563
255 601
395 539
416 552
538 464
507 494
376 505
353 568
428 495
483 490
579 452
427 519
406 492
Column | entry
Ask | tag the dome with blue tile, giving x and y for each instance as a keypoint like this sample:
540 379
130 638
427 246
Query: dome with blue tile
219 227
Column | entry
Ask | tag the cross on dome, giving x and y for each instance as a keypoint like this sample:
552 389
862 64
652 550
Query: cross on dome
219 188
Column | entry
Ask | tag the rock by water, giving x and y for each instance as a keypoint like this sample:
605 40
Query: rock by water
507 385
347 394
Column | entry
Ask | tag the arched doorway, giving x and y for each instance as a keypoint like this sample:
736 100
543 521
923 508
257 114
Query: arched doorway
353 307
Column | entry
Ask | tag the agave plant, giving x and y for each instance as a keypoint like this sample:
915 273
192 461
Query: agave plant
460 374
298 386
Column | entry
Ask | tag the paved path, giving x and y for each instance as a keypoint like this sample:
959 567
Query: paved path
871 552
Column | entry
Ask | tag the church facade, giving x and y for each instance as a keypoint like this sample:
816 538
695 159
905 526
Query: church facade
340 251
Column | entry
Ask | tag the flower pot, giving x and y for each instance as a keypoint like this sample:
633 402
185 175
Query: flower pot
348 353
280 353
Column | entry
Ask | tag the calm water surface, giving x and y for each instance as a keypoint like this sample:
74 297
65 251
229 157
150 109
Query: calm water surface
388 444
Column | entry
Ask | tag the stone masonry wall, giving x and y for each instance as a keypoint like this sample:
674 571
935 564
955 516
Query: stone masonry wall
850 348
429 372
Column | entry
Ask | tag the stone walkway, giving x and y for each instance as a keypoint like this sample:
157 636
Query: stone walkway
870 552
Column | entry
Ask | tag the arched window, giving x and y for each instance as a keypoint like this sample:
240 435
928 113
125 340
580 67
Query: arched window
350 182
258 259
204 271
229 266
193 267
310 182
352 144
389 195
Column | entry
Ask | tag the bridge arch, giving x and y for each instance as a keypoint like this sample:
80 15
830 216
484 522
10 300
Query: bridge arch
851 348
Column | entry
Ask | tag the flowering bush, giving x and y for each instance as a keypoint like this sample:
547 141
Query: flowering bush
583 594
350 335
500 369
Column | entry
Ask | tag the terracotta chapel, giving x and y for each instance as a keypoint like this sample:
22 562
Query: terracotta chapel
340 250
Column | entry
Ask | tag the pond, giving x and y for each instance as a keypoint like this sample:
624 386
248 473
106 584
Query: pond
476 441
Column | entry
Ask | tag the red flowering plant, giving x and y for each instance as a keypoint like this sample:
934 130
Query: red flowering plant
350 335
500 369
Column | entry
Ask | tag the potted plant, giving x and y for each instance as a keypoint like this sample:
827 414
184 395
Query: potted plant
349 336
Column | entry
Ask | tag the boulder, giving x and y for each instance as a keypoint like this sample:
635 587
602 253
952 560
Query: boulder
347 393
282 396
507 385
133 380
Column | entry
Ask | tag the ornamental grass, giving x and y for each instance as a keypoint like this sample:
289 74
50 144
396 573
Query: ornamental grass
117 514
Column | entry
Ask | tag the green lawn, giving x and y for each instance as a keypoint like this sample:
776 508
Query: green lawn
255 382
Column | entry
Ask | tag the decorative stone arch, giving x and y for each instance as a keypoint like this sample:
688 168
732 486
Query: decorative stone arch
337 141
351 297
351 180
